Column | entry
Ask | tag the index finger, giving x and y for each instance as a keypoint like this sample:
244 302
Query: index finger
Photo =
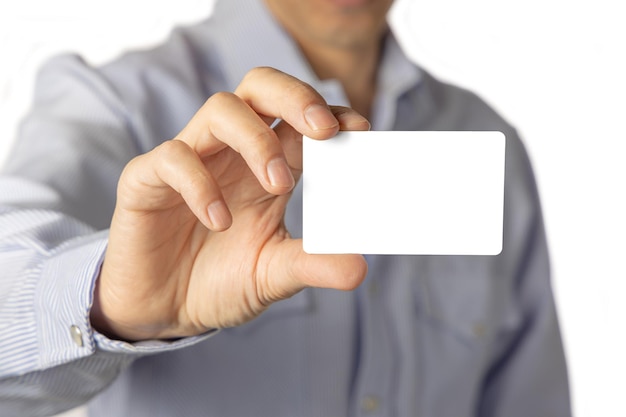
273 93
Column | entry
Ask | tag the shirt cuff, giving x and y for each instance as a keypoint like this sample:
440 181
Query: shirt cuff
65 302
147 347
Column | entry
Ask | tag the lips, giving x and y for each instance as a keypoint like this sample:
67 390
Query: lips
349 3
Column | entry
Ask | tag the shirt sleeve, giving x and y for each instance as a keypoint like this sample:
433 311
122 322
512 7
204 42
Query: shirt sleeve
57 194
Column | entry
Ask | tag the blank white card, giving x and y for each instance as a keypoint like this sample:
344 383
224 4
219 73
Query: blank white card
438 193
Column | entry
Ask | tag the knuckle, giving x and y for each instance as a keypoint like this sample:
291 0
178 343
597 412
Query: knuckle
170 154
171 150
261 71
221 98
132 164
258 148
130 170
300 90
263 140
198 181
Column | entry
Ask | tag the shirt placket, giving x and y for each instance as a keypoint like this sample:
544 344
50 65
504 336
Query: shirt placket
372 394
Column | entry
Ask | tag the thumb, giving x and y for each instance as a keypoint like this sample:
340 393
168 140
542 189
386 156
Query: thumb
296 270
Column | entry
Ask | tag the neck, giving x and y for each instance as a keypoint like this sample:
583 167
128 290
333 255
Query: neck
355 68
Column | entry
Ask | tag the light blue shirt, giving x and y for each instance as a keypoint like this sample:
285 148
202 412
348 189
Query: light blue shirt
440 336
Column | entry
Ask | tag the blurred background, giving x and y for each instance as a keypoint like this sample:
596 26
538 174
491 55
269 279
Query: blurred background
554 68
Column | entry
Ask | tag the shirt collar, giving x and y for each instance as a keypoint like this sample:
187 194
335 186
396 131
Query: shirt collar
396 76
246 35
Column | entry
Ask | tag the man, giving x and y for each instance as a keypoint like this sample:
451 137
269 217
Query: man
139 218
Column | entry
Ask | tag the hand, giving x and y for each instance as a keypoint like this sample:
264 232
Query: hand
197 240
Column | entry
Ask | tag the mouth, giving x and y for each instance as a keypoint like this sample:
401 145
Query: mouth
349 3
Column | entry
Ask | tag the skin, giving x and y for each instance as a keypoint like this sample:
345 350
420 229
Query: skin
197 239
341 39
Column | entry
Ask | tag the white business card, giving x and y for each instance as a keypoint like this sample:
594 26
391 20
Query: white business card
437 193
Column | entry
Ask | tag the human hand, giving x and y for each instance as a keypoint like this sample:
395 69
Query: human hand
197 240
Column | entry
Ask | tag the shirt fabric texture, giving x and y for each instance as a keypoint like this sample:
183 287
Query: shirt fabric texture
440 336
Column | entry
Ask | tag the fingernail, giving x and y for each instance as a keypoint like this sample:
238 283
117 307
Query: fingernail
353 121
279 173
319 117
218 215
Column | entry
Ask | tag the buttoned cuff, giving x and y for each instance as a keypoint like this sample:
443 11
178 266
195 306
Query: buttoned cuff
63 300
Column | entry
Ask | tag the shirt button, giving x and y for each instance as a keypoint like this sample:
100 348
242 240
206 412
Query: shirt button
369 403
372 288
479 330
77 335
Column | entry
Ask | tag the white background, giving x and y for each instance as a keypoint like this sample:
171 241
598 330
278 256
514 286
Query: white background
555 68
